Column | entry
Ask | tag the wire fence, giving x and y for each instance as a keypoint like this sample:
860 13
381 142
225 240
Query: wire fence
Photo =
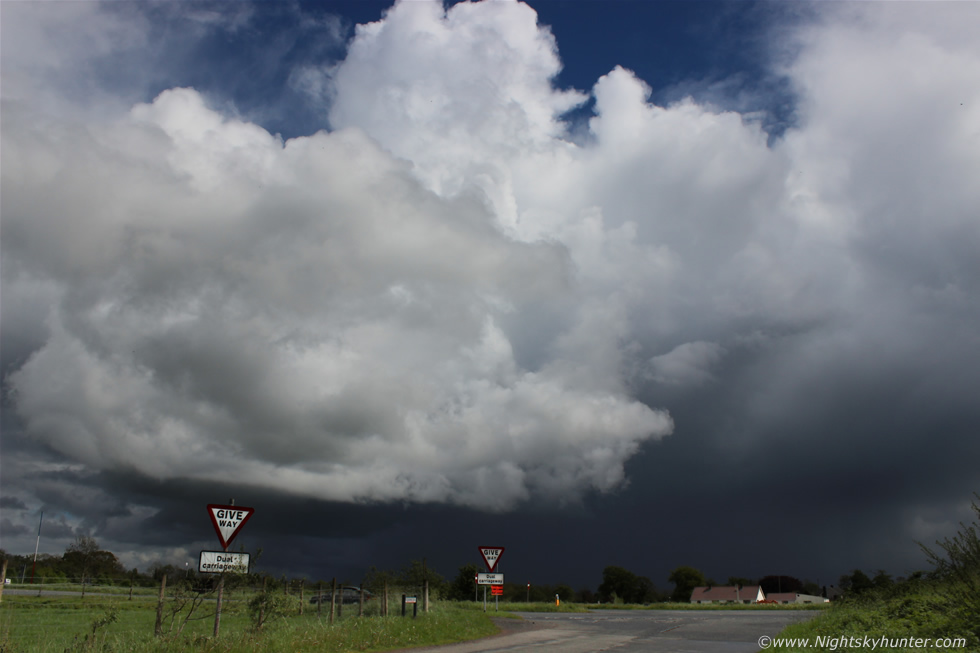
296 595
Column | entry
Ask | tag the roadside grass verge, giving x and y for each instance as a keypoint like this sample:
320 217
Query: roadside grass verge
63 624
516 606
923 609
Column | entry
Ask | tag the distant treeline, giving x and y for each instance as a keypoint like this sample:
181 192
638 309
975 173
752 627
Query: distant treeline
85 562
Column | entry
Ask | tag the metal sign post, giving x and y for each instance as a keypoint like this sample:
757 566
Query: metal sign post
228 521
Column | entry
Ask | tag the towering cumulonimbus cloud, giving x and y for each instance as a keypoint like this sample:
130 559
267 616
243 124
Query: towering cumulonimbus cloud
447 298
305 315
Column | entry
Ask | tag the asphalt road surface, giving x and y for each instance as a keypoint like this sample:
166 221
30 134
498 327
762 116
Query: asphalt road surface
635 631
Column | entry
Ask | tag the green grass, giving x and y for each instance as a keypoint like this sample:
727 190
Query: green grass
58 624
121 590
519 606
922 610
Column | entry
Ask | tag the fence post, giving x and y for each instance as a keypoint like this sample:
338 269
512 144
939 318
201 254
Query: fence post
333 597
3 577
384 612
360 604
217 605
403 605
262 602
158 629
301 596
425 587
319 597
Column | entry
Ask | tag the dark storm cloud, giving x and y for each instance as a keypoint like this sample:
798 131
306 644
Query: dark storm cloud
12 503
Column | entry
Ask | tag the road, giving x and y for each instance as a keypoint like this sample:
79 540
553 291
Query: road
635 631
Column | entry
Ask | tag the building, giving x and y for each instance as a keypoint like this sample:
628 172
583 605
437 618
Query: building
728 594
795 597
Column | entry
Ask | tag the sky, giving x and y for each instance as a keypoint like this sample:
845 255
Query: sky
628 283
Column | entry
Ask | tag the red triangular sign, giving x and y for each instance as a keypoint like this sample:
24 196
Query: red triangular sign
491 555
228 520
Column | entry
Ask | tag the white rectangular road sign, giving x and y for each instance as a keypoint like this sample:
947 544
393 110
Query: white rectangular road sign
489 579
216 562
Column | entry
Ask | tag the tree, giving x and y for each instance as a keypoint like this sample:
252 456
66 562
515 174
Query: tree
646 591
857 582
461 589
627 586
882 580
736 581
685 579
416 572
564 592
83 559
375 579
811 588
617 582
958 562
585 595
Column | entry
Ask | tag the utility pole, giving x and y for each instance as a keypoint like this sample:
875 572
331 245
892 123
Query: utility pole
36 545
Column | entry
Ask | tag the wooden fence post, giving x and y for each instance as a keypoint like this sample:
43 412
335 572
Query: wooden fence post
333 597
158 629
3 577
262 602
217 605
425 587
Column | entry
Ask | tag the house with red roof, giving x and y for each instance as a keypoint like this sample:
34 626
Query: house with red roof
728 594
795 597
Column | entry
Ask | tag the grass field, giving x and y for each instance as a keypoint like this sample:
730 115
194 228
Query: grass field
113 623
104 621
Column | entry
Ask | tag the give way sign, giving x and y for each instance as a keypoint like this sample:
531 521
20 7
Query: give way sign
228 520
491 555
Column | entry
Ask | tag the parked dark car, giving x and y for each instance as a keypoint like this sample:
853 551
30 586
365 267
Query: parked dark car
346 594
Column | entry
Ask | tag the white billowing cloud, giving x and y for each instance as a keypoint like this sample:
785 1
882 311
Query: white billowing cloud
455 92
444 299
303 314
